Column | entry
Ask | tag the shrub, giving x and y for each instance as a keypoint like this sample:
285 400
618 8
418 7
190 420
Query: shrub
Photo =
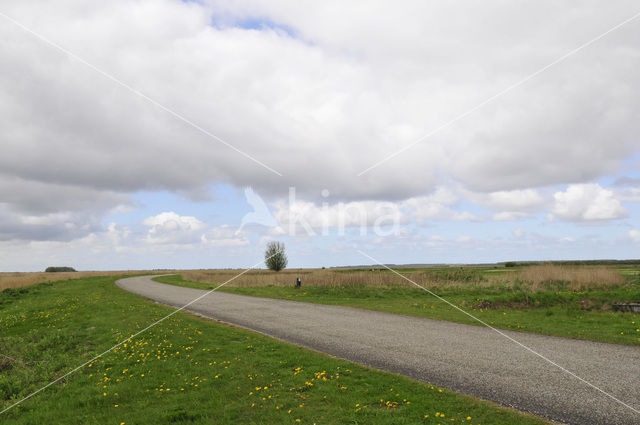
59 269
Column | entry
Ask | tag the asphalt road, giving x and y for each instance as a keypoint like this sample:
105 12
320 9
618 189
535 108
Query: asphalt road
469 359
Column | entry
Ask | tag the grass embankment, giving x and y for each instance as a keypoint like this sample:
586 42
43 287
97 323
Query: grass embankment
191 370
574 308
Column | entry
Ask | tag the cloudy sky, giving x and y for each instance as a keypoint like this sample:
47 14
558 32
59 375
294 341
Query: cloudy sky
416 132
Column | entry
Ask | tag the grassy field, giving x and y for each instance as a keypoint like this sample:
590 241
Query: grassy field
188 370
567 301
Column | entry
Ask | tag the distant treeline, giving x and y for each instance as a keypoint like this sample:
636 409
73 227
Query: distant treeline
407 267
59 269
575 263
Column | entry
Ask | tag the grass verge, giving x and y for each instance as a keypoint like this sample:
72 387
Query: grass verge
189 370
564 314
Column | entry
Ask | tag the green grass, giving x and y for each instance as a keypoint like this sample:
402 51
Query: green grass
188 370
559 313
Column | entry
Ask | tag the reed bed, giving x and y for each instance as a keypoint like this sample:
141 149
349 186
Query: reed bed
338 278
574 278
536 278
317 277
18 280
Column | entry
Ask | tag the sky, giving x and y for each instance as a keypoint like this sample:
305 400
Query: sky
188 134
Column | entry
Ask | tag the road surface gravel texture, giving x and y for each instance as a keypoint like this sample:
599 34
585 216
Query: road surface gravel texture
473 360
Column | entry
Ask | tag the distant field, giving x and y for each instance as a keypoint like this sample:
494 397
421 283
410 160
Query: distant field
188 370
18 280
537 278
562 300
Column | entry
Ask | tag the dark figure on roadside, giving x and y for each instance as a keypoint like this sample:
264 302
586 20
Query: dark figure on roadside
298 282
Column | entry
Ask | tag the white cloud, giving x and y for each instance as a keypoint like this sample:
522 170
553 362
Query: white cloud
311 218
172 229
513 200
42 210
223 236
118 235
631 194
169 227
434 206
437 206
353 85
634 235
587 203
548 131
319 92
510 205
303 217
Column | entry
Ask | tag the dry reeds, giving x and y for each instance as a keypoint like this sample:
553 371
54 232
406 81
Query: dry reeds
317 277
575 278
543 277
333 278
17 280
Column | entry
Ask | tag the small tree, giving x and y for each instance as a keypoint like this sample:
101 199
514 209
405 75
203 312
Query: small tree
275 257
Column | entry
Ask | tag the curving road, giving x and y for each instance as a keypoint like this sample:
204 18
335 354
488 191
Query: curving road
469 359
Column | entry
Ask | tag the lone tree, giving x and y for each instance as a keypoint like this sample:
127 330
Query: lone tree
275 257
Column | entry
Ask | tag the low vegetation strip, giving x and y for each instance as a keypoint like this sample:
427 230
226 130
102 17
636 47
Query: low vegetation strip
576 307
484 279
12 280
191 370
